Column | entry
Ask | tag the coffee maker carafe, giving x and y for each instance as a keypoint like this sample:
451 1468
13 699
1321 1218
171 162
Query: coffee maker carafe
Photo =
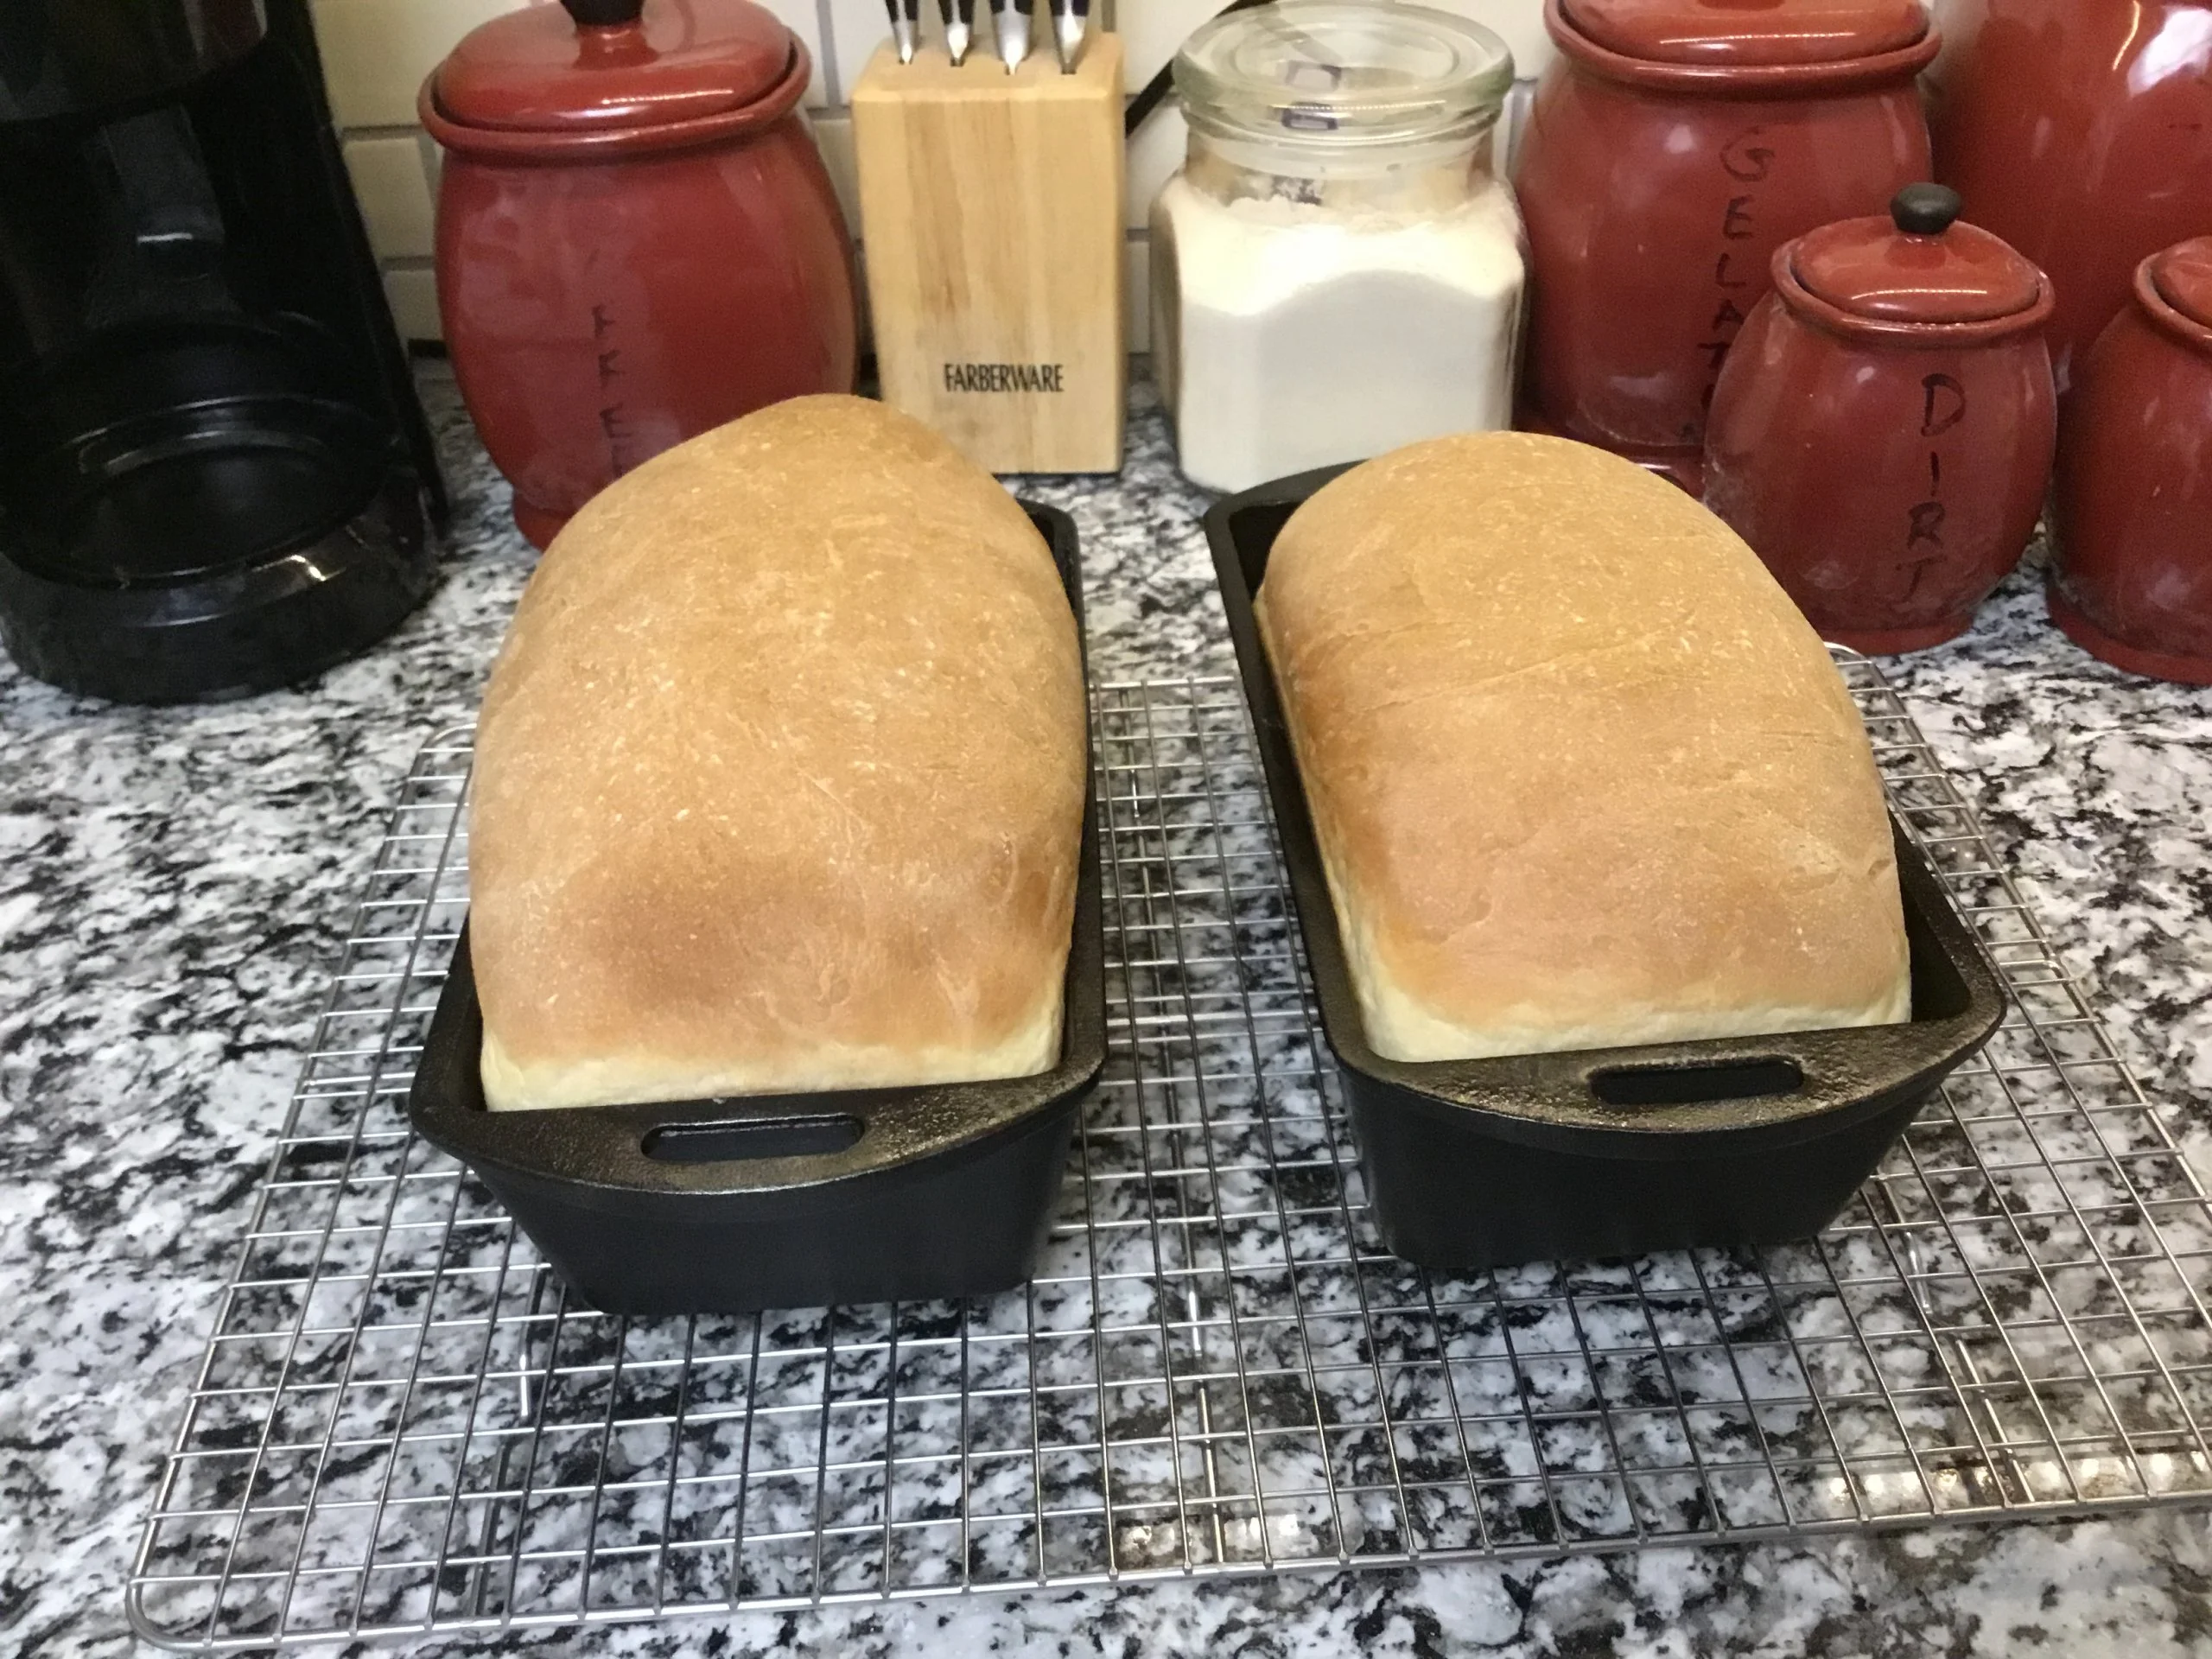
214 478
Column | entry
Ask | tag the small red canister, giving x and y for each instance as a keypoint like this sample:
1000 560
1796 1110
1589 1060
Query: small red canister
1674 146
2131 581
636 239
1882 434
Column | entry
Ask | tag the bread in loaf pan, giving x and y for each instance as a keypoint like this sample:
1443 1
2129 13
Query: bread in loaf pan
780 777
1581 774
1603 1152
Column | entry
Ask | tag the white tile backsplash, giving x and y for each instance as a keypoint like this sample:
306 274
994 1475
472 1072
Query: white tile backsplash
803 19
413 291
377 52
394 193
857 28
1153 31
832 136
1136 295
1520 24
1155 151
863 25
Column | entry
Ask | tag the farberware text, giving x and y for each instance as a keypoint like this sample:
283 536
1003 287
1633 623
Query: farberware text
1003 377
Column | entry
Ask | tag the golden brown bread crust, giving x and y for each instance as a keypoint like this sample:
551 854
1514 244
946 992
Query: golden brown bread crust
1581 774
779 779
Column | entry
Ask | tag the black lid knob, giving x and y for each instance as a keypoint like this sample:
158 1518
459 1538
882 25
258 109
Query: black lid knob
1925 209
603 14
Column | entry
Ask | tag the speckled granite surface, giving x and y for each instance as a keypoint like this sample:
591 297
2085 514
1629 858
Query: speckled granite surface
173 885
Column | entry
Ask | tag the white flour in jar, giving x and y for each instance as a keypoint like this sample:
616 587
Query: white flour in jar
1290 334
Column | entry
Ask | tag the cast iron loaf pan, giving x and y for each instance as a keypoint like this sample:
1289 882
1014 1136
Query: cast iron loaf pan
1604 1153
734 1204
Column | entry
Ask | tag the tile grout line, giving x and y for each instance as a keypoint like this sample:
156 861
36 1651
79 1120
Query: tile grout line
833 80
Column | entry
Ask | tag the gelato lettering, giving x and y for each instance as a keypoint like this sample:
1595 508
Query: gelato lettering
1746 161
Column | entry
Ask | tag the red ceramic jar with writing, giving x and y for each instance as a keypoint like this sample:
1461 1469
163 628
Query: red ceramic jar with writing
2080 131
1674 146
2131 581
1882 434
636 239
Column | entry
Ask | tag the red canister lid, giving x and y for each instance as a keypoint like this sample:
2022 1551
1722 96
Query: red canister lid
1920 265
1749 33
2183 276
606 64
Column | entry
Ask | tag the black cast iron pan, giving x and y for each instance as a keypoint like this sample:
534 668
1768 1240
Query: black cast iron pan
1478 1163
791 1200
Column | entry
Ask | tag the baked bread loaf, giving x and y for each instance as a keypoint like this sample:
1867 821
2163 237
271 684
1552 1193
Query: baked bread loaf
1581 775
780 781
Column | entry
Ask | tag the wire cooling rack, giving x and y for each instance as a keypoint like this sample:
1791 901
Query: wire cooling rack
402 1424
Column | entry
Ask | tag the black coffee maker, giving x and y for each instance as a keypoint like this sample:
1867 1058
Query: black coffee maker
214 478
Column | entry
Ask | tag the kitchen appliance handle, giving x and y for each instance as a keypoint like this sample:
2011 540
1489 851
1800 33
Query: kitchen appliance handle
1751 1076
783 1134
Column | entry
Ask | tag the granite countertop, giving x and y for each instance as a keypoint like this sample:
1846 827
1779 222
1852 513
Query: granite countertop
174 883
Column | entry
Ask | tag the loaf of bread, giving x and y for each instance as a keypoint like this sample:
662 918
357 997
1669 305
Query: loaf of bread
1581 775
780 781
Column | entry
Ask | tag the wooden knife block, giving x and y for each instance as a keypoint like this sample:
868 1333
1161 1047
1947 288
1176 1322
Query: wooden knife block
991 225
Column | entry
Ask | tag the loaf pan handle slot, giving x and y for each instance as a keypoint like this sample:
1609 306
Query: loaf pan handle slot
1696 1085
767 1137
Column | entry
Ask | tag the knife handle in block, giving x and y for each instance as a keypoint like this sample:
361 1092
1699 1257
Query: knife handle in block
906 26
1071 22
1010 25
991 222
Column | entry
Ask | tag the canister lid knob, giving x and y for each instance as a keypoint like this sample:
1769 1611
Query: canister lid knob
1923 265
603 14
1925 209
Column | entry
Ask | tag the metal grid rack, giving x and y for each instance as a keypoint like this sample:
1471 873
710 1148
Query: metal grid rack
402 1425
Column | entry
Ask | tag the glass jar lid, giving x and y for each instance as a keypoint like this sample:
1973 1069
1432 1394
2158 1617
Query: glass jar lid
1339 73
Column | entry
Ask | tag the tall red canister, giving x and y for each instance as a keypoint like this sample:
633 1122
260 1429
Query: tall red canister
636 239
2080 131
1674 145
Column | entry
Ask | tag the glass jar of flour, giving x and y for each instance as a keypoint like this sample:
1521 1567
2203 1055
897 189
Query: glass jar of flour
1336 270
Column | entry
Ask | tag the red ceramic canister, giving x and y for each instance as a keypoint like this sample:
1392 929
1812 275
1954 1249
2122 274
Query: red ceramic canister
1674 146
2132 580
2080 131
636 239
1882 436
